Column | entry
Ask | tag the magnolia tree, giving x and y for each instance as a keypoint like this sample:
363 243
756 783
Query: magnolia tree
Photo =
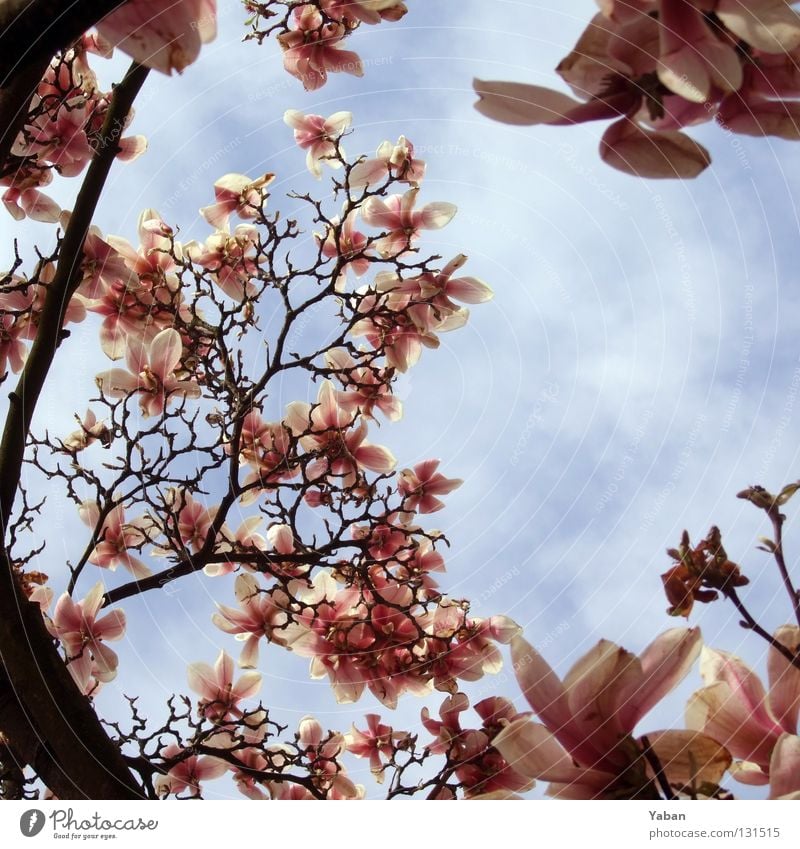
183 463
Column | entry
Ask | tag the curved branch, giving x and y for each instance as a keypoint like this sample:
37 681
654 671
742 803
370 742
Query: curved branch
90 764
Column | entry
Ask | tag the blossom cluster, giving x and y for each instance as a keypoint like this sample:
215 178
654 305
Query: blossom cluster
655 67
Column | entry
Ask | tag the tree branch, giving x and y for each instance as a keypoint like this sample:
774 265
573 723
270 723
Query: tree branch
91 766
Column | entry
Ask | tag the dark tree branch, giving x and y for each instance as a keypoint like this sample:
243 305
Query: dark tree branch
40 682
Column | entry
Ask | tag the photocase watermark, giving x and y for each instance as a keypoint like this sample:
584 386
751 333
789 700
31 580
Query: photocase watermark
687 289
499 582
32 822
628 458
783 422
187 182
546 272
743 365
568 153
547 396
677 472
65 825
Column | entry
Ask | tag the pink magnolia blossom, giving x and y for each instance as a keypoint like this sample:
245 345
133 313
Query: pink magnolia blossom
395 321
401 222
116 537
376 742
90 431
481 768
422 484
219 696
188 772
584 745
365 388
161 34
365 11
329 432
770 26
141 300
194 518
82 634
23 198
231 258
15 309
244 538
343 241
391 160
323 751
236 194
261 614
318 136
735 709
312 48
784 768
151 373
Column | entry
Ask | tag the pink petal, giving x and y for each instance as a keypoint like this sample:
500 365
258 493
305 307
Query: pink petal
646 153
165 353
664 663
784 769
521 104
202 679
375 457
131 147
111 626
437 215
772 25
248 685
533 752
784 679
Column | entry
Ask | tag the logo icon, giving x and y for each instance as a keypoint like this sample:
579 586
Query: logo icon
31 822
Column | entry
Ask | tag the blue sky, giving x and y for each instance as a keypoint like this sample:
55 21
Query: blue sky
638 366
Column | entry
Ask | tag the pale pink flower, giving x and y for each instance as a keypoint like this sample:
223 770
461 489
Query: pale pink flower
151 373
365 387
163 34
102 265
236 194
347 244
81 632
60 138
90 431
376 742
244 538
735 709
784 768
365 11
261 614
188 772
392 160
219 696
422 484
584 745
401 222
692 60
115 538
231 258
771 26
24 198
323 751
313 48
265 447
318 136
15 311
328 431
481 769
